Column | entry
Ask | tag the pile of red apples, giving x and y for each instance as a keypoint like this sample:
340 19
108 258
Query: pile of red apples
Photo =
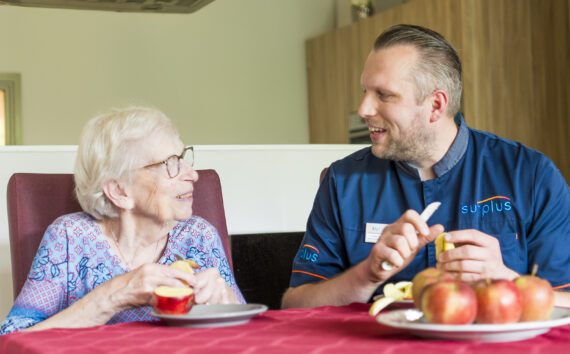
445 300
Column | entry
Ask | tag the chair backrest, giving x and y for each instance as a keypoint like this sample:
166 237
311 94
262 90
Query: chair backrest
323 174
35 200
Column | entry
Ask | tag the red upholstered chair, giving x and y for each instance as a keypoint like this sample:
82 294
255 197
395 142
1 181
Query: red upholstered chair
323 174
35 200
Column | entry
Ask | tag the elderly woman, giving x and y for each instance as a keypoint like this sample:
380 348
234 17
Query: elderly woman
134 180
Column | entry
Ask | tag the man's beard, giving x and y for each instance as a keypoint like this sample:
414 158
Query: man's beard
413 146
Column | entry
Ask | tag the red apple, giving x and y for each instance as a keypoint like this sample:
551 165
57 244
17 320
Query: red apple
424 278
499 301
449 302
173 301
537 298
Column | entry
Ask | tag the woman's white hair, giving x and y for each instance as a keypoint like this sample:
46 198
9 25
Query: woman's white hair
109 149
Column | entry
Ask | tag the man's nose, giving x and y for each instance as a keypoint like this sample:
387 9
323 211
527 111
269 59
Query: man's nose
367 107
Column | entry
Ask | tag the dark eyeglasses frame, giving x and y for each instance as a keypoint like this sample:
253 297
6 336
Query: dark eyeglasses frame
172 163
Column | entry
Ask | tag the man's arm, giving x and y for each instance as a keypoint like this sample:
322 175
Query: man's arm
562 298
399 244
350 286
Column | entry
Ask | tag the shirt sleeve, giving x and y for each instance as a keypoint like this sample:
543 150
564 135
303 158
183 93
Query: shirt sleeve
322 254
44 292
549 234
209 253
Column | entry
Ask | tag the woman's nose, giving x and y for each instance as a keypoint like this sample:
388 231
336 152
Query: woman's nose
188 172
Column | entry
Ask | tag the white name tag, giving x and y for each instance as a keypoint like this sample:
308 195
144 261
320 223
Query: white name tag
373 232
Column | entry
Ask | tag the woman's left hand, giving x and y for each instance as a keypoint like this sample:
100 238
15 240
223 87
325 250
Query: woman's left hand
210 288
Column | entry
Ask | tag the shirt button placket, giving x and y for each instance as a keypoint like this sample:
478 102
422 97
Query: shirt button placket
430 193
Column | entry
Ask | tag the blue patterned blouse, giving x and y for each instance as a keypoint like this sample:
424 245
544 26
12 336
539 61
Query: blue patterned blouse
74 257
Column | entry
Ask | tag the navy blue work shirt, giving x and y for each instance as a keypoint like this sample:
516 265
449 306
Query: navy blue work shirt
484 182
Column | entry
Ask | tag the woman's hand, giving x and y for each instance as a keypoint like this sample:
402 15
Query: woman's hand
136 287
132 289
210 288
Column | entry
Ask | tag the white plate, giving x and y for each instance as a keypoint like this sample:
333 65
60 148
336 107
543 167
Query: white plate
202 316
412 321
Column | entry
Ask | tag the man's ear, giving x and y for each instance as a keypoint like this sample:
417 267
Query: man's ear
439 102
117 192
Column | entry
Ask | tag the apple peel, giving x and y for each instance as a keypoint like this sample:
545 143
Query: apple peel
392 292
379 305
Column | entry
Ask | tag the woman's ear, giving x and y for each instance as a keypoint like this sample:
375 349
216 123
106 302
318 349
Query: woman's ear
438 105
117 192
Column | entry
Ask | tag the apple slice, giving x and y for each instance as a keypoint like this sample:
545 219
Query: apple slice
186 265
173 301
441 245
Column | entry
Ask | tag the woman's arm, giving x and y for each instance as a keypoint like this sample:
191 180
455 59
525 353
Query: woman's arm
128 290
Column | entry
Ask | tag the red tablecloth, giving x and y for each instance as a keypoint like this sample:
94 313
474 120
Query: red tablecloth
346 329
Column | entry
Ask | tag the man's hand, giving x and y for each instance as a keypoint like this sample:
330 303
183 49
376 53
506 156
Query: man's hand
399 244
476 256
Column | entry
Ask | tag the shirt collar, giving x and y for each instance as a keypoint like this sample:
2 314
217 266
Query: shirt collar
452 156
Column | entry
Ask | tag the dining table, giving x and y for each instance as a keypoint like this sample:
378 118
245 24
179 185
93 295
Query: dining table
329 329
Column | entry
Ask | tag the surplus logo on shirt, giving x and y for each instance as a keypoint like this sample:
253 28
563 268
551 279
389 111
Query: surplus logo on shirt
309 253
495 204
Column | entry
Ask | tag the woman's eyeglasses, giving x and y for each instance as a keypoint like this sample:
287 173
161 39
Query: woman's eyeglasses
172 163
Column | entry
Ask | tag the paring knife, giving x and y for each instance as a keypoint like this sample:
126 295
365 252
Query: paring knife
425 215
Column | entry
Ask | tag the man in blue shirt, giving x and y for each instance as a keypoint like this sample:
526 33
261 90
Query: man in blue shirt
505 206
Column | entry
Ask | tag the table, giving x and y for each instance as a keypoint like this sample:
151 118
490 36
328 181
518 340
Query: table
347 329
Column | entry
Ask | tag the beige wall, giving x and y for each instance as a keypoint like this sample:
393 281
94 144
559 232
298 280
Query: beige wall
231 73
281 203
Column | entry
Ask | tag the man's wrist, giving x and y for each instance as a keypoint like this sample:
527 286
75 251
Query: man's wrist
365 279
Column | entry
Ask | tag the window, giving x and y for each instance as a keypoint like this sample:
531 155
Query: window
10 110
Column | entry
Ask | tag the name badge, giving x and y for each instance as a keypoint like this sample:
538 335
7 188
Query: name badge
373 232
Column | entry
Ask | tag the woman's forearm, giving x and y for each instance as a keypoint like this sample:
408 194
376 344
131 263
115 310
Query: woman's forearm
95 308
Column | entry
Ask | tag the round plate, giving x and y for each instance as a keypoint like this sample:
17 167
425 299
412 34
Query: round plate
202 316
412 321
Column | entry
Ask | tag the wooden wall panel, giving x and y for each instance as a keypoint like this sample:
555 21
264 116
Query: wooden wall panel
515 56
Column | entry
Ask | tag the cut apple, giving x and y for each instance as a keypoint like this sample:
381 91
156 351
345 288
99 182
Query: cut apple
173 301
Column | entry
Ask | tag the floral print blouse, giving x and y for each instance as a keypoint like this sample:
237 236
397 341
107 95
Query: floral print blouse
74 257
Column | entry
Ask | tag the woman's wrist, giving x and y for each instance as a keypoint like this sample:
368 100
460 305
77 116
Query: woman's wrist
109 297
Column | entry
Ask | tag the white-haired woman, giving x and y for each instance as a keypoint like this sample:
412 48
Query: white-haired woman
134 180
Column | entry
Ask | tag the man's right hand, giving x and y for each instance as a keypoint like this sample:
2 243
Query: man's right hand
399 244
